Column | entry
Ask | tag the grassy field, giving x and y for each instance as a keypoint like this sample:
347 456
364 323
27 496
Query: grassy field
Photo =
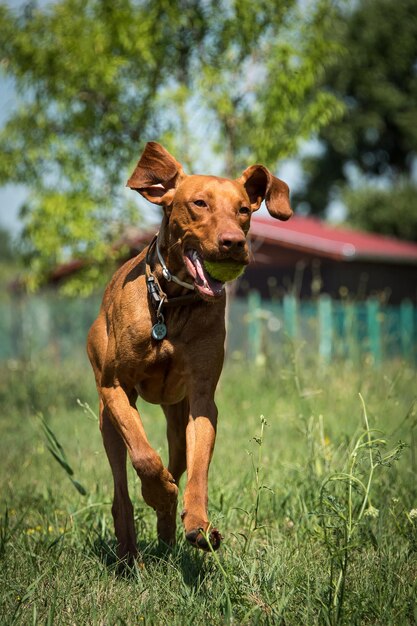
317 502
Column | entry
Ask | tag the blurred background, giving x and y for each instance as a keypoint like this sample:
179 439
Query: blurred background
322 92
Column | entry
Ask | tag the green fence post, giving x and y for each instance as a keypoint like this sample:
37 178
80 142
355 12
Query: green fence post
254 326
290 316
350 332
407 328
374 329
325 327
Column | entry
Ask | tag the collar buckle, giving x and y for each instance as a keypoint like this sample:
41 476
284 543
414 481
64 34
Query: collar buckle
154 290
166 274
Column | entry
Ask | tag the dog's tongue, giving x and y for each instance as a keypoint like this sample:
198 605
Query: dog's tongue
205 283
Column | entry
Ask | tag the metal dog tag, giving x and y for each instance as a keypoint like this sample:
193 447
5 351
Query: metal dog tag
159 331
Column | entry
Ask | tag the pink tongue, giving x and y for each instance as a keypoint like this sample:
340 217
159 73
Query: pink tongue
204 282
200 271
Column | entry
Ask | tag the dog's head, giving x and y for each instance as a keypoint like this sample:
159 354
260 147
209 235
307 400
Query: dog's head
209 217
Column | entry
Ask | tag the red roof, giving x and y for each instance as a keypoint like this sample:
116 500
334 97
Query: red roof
311 235
306 234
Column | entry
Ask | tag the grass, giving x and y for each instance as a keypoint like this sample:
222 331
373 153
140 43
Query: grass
317 502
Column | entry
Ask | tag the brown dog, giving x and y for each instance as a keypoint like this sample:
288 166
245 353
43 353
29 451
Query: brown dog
160 335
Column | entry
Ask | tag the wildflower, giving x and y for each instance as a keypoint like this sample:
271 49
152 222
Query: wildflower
288 524
413 514
36 529
371 511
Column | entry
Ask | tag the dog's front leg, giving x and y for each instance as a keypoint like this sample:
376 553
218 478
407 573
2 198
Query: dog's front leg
200 437
158 487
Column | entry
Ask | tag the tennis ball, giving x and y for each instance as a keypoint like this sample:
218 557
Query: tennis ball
224 270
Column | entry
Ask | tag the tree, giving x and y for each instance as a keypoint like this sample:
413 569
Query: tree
9 261
377 136
98 78
387 211
260 80
6 251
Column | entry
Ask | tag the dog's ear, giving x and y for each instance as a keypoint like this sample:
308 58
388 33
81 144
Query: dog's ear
156 175
260 185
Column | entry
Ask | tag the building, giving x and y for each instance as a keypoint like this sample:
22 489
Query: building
306 257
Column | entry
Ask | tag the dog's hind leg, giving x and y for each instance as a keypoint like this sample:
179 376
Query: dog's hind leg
122 508
177 416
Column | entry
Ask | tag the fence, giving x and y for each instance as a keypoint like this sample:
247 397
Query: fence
48 323
328 328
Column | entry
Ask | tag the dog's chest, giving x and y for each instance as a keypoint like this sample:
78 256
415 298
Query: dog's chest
160 375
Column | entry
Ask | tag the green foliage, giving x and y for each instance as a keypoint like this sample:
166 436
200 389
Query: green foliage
61 226
345 505
6 248
96 79
387 211
261 83
58 452
376 79
9 262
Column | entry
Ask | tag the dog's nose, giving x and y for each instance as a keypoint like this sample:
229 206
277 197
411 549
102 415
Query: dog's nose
232 241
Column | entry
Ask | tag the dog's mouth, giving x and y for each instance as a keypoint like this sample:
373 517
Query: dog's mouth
205 284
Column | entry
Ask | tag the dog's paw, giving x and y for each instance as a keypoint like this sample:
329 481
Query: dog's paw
127 557
207 541
166 527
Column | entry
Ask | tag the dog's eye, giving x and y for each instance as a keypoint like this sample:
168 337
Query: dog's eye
200 203
244 210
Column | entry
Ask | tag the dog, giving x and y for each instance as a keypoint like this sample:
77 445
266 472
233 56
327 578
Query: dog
160 336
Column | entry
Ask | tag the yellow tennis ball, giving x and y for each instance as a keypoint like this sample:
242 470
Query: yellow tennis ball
224 270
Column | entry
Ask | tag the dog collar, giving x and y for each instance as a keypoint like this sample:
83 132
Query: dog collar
158 297
167 274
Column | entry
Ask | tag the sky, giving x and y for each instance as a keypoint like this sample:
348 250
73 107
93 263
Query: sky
11 196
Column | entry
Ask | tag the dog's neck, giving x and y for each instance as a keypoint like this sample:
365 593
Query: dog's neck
170 254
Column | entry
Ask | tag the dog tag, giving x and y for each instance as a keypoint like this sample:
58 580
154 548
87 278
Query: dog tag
159 330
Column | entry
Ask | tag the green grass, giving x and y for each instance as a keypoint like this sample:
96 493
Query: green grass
304 542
